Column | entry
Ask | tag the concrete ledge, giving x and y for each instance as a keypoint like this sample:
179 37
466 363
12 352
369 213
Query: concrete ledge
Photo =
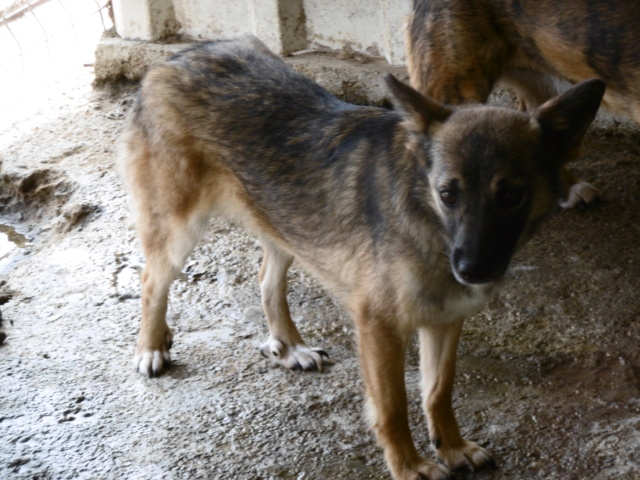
118 59
356 79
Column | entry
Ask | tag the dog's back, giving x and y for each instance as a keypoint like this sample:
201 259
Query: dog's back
228 128
204 92
459 49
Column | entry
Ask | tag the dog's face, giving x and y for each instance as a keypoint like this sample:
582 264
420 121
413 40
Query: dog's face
493 173
489 184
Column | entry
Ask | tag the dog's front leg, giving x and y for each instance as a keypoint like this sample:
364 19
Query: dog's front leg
438 345
382 354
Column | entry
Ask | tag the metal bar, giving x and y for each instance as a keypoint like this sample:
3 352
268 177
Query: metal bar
23 11
100 8
46 34
73 24
5 22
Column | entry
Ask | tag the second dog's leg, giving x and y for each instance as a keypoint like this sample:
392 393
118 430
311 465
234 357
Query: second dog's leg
533 89
285 345
438 345
576 192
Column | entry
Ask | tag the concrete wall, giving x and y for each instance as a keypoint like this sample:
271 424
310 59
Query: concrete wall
374 27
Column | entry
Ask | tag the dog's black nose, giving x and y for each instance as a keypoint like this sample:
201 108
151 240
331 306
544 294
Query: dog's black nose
466 271
475 271
472 275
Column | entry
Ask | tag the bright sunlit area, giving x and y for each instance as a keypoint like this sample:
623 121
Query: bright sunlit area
44 43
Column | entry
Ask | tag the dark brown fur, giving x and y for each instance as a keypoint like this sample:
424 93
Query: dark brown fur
459 50
409 217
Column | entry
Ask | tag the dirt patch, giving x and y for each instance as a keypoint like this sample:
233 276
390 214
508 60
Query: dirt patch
33 194
548 373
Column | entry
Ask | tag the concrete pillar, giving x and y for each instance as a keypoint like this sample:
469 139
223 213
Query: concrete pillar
395 13
280 24
144 19
375 27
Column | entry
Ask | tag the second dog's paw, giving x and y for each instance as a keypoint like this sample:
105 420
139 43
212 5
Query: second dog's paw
152 361
469 456
580 193
297 357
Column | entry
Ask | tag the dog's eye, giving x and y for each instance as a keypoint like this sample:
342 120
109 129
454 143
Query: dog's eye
449 196
510 197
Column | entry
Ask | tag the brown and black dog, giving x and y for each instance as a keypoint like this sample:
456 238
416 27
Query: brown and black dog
409 216
459 50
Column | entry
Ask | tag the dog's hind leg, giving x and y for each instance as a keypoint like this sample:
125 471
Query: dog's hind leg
155 337
170 217
438 345
167 242
172 191
285 345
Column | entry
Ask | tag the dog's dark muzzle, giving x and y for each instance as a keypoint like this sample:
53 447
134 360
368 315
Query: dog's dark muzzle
474 270
483 246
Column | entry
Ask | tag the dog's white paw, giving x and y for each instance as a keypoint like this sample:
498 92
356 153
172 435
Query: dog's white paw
426 469
152 361
470 456
580 193
296 357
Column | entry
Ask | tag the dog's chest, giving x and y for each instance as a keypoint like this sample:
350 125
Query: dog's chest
462 302
442 299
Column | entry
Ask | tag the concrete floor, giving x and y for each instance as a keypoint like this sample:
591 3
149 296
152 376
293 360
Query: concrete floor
549 373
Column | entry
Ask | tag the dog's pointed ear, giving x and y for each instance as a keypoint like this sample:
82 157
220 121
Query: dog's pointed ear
419 112
566 118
